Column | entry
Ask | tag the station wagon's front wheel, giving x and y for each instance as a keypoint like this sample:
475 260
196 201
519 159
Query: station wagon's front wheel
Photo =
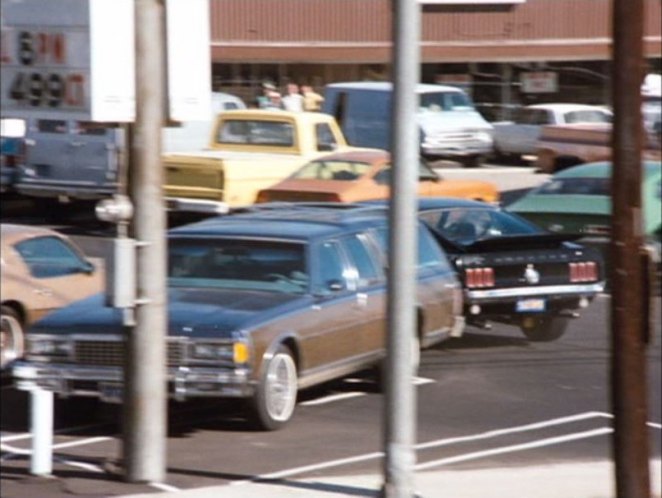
545 328
276 395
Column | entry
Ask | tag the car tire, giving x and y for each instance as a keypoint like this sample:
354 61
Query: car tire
12 336
545 329
276 394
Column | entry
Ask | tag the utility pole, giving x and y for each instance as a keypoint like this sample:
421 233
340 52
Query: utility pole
400 402
145 400
629 298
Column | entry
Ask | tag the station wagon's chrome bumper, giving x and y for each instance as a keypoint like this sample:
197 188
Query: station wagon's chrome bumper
106 382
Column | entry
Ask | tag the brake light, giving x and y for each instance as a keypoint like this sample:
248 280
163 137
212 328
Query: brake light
585 271
479 277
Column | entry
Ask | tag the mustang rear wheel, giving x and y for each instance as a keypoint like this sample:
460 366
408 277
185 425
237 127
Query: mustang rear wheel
545 328
11 336
276 395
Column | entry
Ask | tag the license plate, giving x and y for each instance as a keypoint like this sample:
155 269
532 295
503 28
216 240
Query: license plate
530 305
111 392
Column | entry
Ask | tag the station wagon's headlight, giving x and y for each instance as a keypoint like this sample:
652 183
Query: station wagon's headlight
45 346
237 352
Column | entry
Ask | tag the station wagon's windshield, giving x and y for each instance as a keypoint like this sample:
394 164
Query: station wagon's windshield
237 264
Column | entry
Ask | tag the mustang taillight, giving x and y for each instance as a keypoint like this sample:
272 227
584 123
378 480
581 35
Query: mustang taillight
479 277
586 271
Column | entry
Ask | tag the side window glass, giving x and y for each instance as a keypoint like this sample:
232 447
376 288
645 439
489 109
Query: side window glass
324 136
365 265
48 257
429 253
331 266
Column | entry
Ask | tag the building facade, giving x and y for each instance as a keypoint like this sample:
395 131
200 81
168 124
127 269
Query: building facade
538 50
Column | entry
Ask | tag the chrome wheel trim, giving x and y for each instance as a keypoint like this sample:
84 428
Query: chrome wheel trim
11 339
281 387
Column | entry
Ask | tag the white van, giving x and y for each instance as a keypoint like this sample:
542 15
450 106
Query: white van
450 126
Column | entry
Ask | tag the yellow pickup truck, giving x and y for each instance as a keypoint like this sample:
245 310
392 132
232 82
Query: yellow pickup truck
250 150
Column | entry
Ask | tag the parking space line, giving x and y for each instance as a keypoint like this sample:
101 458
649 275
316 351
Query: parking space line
331 398
515 447
511 430
468 456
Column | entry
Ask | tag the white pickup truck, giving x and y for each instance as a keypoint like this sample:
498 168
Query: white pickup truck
520 136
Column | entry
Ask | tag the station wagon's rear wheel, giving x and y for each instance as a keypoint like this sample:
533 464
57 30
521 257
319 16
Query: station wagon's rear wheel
11 336
276 395
545 328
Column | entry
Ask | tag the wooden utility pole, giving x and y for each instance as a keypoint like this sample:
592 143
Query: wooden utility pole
629 294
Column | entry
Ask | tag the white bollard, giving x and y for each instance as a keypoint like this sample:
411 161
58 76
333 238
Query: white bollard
41 420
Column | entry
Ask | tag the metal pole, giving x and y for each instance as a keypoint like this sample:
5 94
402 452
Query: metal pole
400 403
145 371
41 418
629 383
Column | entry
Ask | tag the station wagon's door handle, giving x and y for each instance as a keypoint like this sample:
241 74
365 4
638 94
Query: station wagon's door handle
173 168
44 292
30 142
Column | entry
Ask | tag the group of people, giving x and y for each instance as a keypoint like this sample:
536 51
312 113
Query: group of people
295 99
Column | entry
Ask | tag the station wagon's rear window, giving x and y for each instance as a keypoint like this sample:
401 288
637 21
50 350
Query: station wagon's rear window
238 264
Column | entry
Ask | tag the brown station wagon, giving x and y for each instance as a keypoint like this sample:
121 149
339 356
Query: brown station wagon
261 305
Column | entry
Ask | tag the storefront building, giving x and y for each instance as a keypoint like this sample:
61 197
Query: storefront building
533 51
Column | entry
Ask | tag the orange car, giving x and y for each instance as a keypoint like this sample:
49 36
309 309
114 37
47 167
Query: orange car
365 175
41 271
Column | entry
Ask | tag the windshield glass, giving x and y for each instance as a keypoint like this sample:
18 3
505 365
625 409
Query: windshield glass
587 116
467 225
332 170
238 264
240 131
445 101
576 186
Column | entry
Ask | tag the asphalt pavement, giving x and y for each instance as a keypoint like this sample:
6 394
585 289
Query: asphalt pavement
556 480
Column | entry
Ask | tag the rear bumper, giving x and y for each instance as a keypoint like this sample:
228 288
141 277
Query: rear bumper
552 291
516 302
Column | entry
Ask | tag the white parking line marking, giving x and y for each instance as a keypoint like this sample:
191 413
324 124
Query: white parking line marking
511 430
331 398
82 465
469 456
516 447
164 487
314 467
28 435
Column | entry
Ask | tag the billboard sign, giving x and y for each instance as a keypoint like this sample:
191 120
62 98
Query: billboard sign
68 59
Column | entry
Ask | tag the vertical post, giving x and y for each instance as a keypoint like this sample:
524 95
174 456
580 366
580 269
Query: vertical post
629 383
506 92
400 403
145 370
41 420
